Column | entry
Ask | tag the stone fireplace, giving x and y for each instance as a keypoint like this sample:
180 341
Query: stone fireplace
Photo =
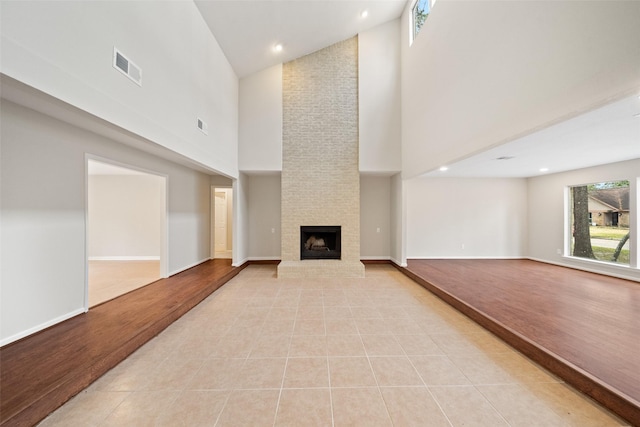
320 173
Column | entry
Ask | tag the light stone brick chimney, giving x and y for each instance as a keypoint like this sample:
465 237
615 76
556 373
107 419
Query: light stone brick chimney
320 173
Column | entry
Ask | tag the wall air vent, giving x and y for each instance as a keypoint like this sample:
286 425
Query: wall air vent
126 67
202 126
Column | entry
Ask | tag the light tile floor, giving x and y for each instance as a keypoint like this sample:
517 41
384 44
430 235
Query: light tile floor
110 279
378 351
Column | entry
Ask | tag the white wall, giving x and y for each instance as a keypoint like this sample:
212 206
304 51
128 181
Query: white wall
264 217
466 218
226 184
229 192
547 214
260 108
241 236
379 98
124 216
65 49
483 72
375 217
398 220
43 216
260 121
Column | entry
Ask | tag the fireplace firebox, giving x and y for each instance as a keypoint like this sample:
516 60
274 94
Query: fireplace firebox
320 242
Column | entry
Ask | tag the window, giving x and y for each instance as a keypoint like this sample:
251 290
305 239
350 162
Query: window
600 222
419 14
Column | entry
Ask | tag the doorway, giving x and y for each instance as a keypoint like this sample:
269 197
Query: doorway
126 229
221 222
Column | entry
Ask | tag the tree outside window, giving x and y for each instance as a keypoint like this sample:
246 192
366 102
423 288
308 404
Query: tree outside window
600 221
420 12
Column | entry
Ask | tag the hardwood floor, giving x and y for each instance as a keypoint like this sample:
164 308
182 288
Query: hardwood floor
44 370
584 327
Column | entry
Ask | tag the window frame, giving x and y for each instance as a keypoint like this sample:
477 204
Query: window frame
634 256
412 21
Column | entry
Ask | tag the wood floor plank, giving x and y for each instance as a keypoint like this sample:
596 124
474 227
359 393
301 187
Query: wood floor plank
42 371
585 327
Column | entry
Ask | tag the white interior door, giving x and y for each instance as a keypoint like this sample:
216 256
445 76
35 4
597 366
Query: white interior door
220 217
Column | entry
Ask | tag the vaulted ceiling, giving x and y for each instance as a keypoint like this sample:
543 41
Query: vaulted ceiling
247 30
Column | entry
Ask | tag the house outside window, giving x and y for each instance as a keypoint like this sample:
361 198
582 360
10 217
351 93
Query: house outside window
600 222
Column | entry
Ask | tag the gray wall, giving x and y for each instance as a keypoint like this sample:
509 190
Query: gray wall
466 217
43 199
548 218
264 217
124 218
375 217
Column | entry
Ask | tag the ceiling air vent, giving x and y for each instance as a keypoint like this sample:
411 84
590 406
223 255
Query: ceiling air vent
126 67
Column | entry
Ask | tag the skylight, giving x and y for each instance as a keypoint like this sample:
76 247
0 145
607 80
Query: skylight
419 14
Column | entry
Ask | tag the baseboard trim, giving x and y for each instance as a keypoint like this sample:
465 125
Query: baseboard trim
41 327
195 264
398 263
240 263
124 258
588 270
467 257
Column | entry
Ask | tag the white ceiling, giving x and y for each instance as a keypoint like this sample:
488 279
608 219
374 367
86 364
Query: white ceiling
605 135
247 30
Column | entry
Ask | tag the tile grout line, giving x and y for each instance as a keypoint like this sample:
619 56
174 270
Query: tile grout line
333 423
375 377
286 362
237 305
427 387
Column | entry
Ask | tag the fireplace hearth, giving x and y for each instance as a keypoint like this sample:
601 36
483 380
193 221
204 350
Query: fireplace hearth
320 242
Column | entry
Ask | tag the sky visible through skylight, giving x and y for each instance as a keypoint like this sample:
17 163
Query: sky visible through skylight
420 12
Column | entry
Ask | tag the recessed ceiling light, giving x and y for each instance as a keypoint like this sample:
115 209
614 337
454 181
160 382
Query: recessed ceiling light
636 115
544 169
364 14
443 168
277 48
